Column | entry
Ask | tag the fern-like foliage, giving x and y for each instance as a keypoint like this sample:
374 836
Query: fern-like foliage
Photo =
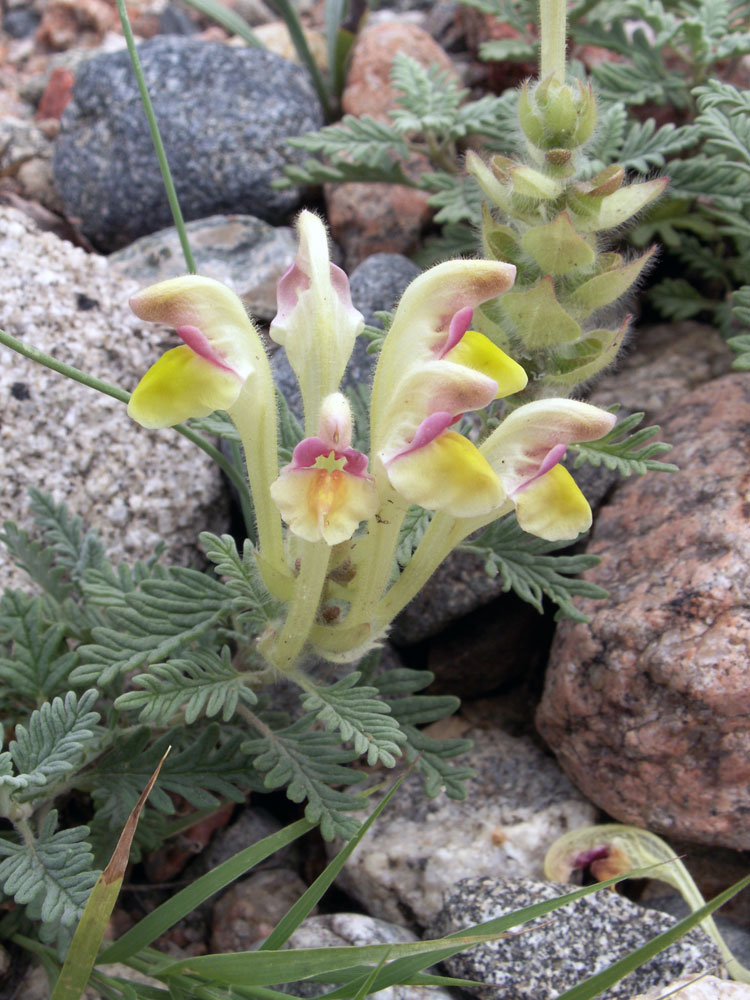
741 314
205 685
310 764
626 450
527 567
35 659
171 609
54 742
434 758
242 580
415 524
432 116
51 875
358 716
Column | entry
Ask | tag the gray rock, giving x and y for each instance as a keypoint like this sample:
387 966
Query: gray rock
224 115
378 282
515 807
550 955
335 930
134 486
245 253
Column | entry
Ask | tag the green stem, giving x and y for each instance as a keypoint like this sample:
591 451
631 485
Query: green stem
122 396
374 557
166 174
552 30
442 536
303 609
254 416
292 21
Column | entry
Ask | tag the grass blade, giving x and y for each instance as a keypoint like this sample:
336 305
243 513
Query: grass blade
87 939
185 901
304 905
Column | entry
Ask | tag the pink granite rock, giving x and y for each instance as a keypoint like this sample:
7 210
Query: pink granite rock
648 706
381 218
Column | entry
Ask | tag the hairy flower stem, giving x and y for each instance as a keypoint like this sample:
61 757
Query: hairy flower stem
256 422
374 557
282 650
552 30
442 536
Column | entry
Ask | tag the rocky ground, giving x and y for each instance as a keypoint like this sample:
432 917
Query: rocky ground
643 712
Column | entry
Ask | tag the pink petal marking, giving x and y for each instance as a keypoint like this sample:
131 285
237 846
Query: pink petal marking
584 859
340 285
555 455
458 327
291 284
430 428
198 342
310 449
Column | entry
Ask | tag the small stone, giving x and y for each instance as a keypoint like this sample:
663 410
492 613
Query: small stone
247 913
515 807
546 957
647 705
57 94
245 253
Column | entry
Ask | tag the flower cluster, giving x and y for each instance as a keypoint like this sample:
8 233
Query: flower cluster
433 369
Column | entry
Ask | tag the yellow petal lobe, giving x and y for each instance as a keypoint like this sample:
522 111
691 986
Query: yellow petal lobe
447 474
476 351
553 507
180 385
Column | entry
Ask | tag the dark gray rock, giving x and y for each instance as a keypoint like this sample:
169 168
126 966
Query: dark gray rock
224 115
378 282
568 945
20 22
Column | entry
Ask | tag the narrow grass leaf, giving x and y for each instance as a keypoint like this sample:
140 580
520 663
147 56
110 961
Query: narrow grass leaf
185 901
87 939
304 905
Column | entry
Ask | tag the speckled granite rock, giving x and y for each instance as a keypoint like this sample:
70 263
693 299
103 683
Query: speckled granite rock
335 930
705 988
518 804
245 253
579 940
224 114
133 486
647 706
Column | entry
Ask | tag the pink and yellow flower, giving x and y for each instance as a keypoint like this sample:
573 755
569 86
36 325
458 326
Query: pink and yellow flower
316 322
525 452
432 369
325 491
221 350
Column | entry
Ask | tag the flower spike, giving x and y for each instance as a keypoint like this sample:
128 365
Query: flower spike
221 350
316 322
325 492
